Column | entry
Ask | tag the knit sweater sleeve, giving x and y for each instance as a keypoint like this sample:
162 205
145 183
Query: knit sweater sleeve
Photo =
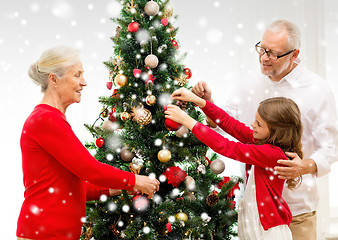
94 192
259 155
227 123
53 133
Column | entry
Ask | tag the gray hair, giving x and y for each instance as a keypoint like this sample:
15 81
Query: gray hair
55 60
291 29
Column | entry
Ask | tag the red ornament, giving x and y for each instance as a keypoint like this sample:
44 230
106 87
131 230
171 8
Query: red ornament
187 72
109 85
164 21
137 73
232 204
172 125
133 27
175 175
99 142
165 107
169 227
112 116
175 44
140 203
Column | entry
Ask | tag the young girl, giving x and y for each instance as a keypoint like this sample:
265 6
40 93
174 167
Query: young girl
263 213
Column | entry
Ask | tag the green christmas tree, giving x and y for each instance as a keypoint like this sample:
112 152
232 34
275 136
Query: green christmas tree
132 134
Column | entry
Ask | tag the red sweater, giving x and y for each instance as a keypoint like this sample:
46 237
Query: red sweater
56 168
272 208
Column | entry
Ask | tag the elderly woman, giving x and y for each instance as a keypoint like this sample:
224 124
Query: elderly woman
60 175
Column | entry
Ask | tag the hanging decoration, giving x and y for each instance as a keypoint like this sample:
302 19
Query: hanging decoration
127 155
151 8
217 166
151 60
164 155
136 165
133 27
141 115
121 80
99 142
175 175
131 7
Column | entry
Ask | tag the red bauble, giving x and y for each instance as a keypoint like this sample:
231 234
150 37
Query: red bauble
137 73
172 125
109 85
169 228
99 142
164 21
133 27
175 44
187 72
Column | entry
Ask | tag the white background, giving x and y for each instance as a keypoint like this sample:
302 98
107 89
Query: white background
217 35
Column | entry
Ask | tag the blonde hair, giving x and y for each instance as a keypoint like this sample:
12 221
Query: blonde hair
283 118
293 33
55 60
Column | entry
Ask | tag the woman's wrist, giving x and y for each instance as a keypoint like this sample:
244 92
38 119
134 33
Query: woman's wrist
200 102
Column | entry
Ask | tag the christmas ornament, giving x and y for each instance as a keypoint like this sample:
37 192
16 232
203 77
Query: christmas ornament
212 198
217 166
104 112
190 183
133 27
164 21
150 100
118 31
151 60
136 165
172 125
121 80
125 116
151 8
112 115
164 155
140 203
126 155
109 85
182 132
99 142
189 196
169 227
174 175
187 72
183 79
142 115
108 126
175 44
137 73
182 216
168 10
131 7
201 169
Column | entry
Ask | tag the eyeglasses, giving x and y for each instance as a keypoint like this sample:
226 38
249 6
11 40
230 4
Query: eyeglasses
273 56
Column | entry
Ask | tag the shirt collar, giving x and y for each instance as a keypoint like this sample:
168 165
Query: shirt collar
293 75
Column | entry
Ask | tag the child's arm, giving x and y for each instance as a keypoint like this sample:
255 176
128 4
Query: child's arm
259 155
230 125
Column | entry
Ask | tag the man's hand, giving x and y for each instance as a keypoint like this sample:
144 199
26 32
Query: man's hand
202 90
295 167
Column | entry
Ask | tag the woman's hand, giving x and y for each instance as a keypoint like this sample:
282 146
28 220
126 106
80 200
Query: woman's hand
178 115
146 185
184 94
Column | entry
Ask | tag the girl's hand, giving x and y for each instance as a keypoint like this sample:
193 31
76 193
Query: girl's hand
178 115
184 94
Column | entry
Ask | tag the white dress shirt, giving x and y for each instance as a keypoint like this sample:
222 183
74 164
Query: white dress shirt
317 104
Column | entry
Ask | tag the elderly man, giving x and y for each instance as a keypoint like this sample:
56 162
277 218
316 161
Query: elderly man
283 75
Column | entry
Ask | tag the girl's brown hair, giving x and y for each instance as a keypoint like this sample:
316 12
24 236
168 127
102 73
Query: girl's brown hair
283 118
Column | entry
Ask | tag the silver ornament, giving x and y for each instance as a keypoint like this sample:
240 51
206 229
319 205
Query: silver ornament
217 166
151 8
126 155
151 60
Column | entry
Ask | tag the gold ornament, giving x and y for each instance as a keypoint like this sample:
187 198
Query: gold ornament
125 116
183 79
168 10
136 165
164 155
151 8
151 60
104 112
121 80
217 166
131 7
142 115
150 100
182 216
